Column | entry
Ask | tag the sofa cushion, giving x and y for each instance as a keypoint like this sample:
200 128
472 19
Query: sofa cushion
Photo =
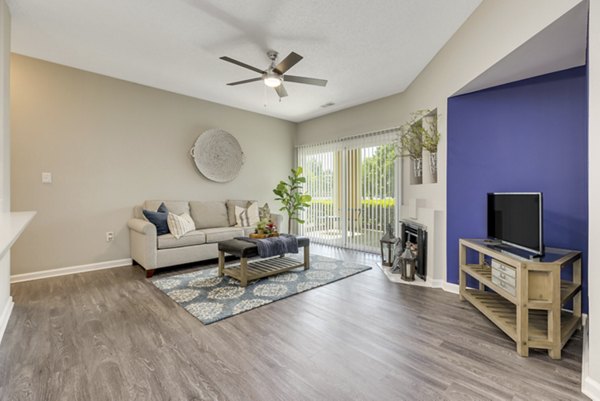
231 204
192 238
247 217
209 214
158 218
177 207
179 225
222 233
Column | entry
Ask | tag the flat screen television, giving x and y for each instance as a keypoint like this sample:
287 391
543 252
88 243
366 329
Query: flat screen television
516 219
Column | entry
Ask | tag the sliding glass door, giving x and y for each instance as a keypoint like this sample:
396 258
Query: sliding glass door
321 220
354 188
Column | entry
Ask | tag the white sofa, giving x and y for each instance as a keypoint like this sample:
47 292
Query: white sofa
214 220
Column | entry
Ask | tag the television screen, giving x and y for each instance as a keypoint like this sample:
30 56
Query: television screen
516 219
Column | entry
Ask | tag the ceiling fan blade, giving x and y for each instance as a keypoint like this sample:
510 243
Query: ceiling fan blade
305 80
245 81
281 92
287 63
230 60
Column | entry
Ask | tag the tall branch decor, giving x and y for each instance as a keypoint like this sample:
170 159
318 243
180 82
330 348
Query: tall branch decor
417 134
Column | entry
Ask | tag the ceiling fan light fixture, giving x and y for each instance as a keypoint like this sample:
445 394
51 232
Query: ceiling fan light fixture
273 76
272 80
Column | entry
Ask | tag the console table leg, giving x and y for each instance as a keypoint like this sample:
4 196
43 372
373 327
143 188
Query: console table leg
221 263
577 280
522 349
306 258
554 331
462 276
481 263
522 311
522 330
244 272
554 353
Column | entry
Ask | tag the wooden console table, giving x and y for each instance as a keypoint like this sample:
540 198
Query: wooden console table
531 312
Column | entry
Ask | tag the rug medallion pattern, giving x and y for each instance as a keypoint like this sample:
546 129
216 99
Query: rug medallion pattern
211 298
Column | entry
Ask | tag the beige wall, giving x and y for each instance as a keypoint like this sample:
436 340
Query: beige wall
110 145
592 381
5 107
4 147
493 31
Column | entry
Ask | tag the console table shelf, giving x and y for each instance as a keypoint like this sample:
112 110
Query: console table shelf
527 296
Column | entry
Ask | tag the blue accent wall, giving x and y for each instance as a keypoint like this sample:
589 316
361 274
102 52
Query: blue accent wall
526 136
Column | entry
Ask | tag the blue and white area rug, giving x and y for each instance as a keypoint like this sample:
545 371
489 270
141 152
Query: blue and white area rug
211 298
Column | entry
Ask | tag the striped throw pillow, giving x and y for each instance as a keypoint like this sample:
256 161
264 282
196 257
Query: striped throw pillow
179 225
247 217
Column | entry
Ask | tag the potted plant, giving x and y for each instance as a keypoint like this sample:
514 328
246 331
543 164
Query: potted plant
265 229
291 196
431 138
410 140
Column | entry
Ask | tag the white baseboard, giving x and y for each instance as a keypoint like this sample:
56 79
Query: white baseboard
589 386
17 278
5 316
450 287
437 283
433 283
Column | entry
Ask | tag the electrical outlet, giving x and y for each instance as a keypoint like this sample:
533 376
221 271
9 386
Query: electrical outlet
46 178
109 236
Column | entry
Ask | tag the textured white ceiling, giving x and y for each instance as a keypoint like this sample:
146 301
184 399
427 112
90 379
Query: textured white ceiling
367 50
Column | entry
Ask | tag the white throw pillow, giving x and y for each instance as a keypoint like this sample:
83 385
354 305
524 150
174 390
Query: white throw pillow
247 217
179 225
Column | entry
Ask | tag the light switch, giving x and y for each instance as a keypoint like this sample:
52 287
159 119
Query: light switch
46 178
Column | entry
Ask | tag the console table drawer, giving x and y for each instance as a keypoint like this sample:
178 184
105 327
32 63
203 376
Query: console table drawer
507 278
502 268
505 285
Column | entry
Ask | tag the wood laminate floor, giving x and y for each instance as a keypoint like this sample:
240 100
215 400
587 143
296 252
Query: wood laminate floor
111 335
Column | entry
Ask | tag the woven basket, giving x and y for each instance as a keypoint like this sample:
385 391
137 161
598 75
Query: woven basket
261 236
218 155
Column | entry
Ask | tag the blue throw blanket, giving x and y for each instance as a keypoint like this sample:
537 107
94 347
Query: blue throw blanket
274 246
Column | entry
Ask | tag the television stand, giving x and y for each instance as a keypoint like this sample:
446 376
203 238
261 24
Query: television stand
527 296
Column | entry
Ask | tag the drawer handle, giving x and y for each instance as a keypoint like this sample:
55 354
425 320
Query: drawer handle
502 275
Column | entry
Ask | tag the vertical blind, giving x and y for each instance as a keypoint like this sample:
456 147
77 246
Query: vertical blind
354 185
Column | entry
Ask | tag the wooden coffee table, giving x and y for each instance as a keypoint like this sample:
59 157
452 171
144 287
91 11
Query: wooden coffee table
247 271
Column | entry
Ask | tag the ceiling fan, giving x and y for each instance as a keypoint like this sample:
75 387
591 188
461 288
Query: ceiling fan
274 75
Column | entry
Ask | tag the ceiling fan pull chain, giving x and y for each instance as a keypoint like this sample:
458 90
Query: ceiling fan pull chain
265 96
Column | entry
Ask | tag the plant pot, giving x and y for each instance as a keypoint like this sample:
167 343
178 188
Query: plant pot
418 167
433 166
262 235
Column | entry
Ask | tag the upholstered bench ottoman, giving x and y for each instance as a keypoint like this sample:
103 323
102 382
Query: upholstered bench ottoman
247 271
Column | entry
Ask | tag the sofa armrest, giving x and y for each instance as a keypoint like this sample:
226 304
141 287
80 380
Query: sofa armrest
143 243
142 226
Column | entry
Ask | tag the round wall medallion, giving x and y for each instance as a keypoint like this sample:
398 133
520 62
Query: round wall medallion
218 155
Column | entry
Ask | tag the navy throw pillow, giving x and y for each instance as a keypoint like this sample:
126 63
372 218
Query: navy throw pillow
158 218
